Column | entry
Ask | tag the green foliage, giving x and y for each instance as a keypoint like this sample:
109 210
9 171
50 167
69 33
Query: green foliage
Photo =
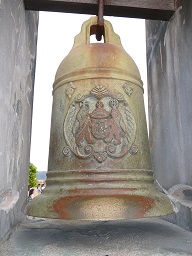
32 176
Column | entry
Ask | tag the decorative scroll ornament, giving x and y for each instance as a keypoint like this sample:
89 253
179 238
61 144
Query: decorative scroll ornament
100 125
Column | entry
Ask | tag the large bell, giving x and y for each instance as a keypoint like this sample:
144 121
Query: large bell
99 160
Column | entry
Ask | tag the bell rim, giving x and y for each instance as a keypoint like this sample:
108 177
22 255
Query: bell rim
43 206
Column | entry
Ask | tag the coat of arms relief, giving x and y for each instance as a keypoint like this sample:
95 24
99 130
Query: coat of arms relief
100 125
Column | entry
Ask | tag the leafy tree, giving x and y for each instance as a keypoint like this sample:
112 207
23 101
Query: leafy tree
32 176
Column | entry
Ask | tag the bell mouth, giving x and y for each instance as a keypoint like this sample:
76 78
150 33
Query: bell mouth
103 207
100 208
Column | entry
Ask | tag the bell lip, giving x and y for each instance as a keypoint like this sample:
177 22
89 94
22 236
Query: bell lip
145 196
162 207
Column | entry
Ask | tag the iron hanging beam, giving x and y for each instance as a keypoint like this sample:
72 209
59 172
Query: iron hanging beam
148 9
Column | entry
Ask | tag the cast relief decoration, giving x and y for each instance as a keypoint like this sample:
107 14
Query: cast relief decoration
70 89
99 125
128 89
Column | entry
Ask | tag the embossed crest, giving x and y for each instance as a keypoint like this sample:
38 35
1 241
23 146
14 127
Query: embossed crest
100 125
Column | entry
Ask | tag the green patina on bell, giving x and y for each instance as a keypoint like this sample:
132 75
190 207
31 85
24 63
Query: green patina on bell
99 159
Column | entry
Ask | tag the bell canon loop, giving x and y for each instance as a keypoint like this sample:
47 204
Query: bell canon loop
99 160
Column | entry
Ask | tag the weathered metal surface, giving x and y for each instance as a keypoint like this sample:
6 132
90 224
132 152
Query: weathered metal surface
100 22
149 9
99 160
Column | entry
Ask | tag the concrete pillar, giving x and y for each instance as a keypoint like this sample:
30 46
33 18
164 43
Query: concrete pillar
18 32
169 63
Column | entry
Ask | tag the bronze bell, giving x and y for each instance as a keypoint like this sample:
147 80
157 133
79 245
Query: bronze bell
99 160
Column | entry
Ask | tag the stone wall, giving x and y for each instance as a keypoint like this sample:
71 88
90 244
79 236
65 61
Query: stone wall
18 38
169 62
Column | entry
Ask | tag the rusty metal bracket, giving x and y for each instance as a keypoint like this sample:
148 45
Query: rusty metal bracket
100 20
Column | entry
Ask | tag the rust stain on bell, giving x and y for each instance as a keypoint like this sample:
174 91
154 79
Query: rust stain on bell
99 160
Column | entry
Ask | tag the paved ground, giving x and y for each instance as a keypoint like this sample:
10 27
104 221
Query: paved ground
146 237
